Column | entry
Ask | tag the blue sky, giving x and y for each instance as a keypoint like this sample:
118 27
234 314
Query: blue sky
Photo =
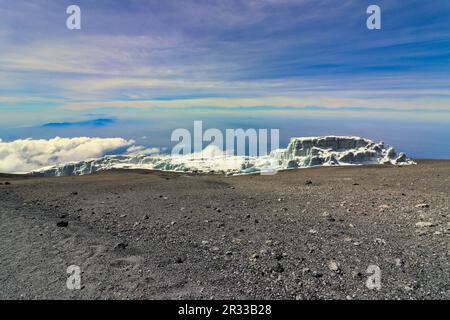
306 67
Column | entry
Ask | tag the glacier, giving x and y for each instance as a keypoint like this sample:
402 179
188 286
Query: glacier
301 152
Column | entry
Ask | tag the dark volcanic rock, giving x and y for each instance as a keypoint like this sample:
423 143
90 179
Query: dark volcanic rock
62 224
121 246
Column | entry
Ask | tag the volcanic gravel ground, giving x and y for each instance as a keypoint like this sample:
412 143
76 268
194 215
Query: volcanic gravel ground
300 234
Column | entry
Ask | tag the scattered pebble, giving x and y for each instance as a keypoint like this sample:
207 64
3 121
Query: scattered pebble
254 256
333 266
62 224
278 256
398 262
236 241
277 267
179 260
317 274
121 246
380 241
424 224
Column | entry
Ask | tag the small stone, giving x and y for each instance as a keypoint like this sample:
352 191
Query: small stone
123 215
121 246
357 274
179 260
317 274
62 224
236 241
398 262
278 256
277 267
422 205
333 266
7 183
424 224
74 193
308 182
254 256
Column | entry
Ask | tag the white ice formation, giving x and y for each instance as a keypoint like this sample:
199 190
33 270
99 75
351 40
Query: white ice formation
300 153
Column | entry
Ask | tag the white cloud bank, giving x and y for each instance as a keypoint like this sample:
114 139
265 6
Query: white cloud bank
26 155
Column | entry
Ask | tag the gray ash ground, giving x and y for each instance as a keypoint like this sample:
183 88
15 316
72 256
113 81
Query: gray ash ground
303 234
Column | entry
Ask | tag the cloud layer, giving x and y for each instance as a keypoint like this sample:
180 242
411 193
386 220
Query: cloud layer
189 53
26 155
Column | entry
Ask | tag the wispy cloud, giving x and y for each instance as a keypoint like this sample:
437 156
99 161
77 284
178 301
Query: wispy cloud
224 54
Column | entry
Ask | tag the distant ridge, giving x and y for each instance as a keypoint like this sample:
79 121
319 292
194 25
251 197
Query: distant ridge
91 123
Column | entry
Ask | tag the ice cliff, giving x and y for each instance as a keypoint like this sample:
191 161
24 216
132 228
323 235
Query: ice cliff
300 153
337 150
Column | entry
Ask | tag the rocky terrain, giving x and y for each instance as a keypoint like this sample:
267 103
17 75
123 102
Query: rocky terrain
300 234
